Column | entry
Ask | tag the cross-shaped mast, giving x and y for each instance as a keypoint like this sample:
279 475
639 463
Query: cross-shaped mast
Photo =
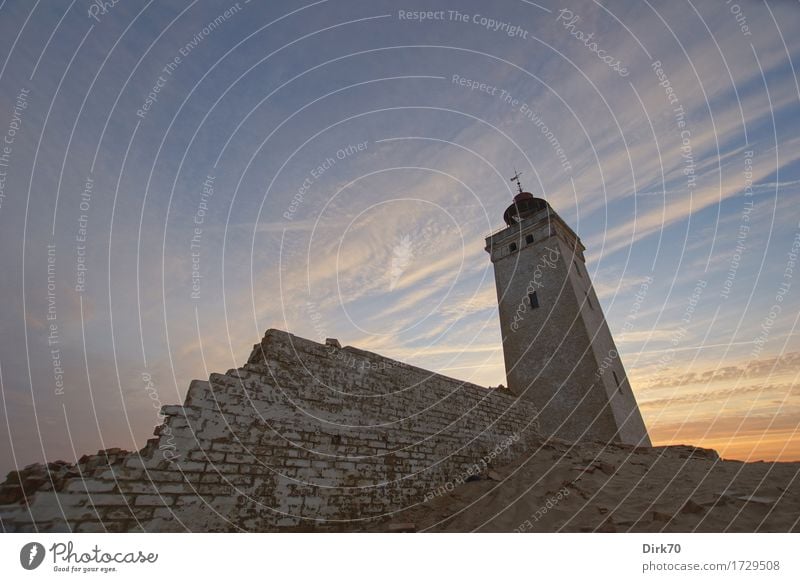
516 179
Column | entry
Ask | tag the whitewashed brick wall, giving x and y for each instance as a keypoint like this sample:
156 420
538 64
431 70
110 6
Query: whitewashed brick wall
303 437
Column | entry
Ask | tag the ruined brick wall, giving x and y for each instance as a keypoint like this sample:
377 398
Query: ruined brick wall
303 437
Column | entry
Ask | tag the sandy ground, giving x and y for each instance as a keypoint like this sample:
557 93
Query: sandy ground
594 487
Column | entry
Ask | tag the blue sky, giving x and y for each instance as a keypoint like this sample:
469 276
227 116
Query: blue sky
381 244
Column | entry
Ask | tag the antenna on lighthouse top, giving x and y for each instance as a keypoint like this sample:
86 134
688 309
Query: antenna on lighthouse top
516 179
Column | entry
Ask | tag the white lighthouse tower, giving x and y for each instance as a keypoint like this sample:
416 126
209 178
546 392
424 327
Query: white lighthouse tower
558 349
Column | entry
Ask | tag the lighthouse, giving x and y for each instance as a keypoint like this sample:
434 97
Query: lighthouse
558 349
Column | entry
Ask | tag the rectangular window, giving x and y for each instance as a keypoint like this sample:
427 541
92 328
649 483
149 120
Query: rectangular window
533 299
619 386
529 239
512 247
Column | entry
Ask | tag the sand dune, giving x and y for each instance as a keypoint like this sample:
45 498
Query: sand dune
564 487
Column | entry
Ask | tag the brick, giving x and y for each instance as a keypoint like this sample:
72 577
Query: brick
226 447
164 488
190 466
136 487
222 468
297 463
210 456
107 499
90 486
172 410
155 500
204 489
239 458
115 513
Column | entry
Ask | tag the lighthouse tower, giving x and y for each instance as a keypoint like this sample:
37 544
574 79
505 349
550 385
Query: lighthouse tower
558 349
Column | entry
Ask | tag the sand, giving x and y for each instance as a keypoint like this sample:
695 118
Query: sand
563 487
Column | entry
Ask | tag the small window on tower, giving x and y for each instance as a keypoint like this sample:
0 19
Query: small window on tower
512 247
533 299
529 239
589 301
578 268
619 386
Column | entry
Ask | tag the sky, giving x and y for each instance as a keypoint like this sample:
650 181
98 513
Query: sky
178 177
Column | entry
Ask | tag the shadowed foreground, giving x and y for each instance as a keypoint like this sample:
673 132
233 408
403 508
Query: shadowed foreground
591 487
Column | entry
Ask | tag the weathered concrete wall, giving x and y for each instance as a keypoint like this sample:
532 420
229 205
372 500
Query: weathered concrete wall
608 371
303 437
